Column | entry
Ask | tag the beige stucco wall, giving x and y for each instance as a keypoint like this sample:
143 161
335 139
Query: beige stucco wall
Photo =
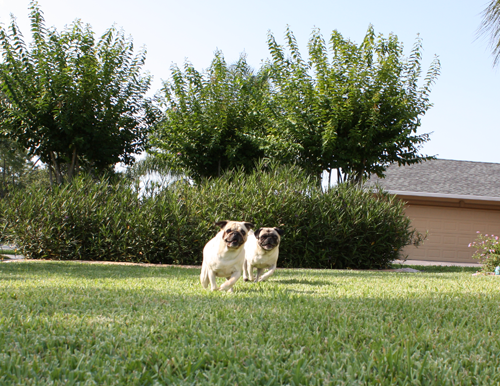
450 231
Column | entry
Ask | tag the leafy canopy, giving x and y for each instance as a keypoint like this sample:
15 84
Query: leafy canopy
72 100
213 120
354 108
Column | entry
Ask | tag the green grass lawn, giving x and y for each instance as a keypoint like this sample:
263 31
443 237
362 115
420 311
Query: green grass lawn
72 323
8 252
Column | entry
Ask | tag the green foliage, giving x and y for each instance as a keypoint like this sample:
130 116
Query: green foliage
488 251
490 25
68 323
71 100
345 227
355 108
214 121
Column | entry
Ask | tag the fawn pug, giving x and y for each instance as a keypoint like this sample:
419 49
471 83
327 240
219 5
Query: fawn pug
223 256
261 252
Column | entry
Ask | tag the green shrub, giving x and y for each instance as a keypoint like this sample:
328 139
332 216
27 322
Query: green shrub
345 227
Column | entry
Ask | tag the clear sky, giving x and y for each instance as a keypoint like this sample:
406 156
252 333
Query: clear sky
464 120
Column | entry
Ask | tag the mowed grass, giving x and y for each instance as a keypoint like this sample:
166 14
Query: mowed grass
8 252
76 323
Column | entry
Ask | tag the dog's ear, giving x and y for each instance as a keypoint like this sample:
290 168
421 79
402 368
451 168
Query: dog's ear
281 232
249 225
257 232
221 224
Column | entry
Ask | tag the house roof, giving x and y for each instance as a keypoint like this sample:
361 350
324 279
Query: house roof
442 177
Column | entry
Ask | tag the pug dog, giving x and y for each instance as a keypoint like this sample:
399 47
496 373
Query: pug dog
261 252
223 256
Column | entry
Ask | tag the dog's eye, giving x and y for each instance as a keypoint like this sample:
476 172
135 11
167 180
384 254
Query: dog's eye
228 231
243 233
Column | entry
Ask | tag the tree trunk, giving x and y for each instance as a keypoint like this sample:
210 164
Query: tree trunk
360 173
72 166
77 166
340 179
57 170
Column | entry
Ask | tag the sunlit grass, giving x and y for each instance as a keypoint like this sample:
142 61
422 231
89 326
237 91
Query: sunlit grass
73 323
8 252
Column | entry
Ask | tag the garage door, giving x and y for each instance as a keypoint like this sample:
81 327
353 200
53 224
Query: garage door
450 231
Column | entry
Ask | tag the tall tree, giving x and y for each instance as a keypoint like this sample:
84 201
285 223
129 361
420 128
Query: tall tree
71 100
354 108
490 26
213 120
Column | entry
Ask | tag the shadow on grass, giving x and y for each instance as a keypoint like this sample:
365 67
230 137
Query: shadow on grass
95 271
18 270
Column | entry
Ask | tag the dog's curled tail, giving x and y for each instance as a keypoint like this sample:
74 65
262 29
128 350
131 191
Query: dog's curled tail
205 281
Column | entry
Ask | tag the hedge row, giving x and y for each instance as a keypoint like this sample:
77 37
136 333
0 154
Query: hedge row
345 227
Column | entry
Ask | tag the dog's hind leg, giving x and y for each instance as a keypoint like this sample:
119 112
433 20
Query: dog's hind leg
260 271
268 273
245 270
228 285
231 289
249 272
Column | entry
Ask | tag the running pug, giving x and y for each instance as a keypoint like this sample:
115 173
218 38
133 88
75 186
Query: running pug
261 252
223 256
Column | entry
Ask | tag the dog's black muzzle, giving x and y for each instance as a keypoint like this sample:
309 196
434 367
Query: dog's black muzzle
234 239
268 241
